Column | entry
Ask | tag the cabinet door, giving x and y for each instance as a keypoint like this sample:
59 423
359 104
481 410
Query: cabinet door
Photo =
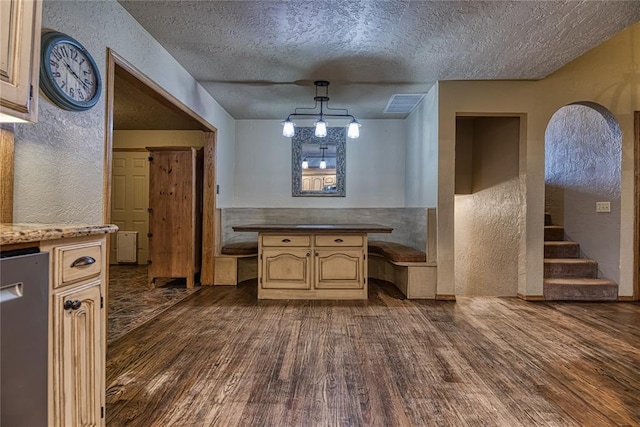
339 270
286 268
19 57
77 356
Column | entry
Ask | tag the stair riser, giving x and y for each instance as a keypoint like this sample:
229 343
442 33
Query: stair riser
557 270
547 219
580 292
554 234
562 251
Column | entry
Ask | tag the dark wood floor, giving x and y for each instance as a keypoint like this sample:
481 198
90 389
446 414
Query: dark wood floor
220 357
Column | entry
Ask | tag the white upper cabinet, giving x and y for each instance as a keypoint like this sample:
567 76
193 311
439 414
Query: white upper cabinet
20 23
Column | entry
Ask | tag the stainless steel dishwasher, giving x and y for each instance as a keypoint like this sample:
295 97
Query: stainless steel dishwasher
24 291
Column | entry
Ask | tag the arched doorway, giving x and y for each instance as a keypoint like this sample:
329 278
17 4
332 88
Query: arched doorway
583 155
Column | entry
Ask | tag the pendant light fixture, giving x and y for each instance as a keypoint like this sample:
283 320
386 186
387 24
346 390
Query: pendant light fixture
323 163
289 127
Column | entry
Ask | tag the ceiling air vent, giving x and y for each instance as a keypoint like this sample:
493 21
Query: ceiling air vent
403 103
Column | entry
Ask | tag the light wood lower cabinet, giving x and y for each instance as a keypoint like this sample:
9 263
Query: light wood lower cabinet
312 266
77 331
77 324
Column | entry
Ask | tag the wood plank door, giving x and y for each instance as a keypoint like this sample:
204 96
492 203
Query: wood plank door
130 199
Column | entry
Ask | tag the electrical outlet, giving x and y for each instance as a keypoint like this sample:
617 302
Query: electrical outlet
603 206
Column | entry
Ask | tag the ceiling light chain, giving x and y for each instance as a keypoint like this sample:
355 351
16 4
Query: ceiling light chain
289 127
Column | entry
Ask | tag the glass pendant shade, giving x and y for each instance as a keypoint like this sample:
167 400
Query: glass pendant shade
323 164
321 128
354 129
288 128
305 164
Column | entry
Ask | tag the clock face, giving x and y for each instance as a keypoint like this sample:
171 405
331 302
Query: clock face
69 76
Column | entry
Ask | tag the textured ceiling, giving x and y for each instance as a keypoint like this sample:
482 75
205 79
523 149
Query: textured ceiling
258 59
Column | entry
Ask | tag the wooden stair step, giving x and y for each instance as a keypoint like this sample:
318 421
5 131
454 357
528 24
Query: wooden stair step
580 289
553 233
561 249
570 268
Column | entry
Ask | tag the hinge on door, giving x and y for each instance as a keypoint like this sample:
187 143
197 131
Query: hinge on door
31 92
260 256
102 412
365 280
364 256
101 301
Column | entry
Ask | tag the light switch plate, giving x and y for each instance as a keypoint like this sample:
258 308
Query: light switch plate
603 206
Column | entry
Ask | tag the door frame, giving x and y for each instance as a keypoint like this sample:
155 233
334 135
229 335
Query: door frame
636 203
209 224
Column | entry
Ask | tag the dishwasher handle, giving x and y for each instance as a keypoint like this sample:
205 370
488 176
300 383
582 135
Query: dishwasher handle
11 292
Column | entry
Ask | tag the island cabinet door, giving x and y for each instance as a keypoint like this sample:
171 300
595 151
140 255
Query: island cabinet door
339 269
286 268
77 379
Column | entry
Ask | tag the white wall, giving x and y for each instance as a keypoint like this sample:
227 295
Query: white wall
582 159
375 167
421 179
59 161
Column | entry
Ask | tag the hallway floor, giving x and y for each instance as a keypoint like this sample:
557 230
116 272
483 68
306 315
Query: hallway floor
131 303
221 357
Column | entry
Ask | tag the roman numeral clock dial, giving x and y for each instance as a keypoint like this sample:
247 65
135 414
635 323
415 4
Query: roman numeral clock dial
69 76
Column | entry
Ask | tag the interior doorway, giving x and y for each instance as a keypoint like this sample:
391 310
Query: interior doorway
133 101
487 205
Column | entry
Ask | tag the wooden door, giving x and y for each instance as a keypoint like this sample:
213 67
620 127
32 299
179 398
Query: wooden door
286 268
339 270
130 199
77 357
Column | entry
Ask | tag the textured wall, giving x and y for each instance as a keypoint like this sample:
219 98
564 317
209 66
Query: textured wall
582 166
486 221
409 224
375 167
59 161
421 178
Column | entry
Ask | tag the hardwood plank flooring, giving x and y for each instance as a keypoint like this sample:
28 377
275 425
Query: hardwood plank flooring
223 358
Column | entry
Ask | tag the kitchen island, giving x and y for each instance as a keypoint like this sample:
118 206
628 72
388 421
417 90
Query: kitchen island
312 261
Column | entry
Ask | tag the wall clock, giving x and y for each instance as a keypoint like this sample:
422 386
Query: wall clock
69 76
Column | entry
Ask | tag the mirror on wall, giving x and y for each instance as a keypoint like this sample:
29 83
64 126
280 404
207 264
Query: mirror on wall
318 164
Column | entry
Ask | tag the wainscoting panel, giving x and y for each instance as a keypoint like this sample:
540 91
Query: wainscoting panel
409 224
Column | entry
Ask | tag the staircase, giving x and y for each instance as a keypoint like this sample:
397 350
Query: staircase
567 277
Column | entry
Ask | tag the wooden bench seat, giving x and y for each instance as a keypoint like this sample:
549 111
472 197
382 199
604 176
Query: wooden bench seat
404 266
238 262
240 248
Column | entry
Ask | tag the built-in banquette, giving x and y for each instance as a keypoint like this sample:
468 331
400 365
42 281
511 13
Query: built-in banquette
406 257
76 289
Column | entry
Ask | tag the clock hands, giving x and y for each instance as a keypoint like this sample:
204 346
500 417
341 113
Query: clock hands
73 73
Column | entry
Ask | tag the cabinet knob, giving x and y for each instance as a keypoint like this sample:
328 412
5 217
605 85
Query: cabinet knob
308 253
82 261
72 305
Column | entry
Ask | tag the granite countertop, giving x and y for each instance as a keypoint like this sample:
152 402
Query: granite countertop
25 233
313 228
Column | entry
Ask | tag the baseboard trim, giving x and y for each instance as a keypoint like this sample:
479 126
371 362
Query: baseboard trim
531 297
445 297
626 298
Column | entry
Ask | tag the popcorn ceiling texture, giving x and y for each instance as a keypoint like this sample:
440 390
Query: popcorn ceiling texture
583 150
359 41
